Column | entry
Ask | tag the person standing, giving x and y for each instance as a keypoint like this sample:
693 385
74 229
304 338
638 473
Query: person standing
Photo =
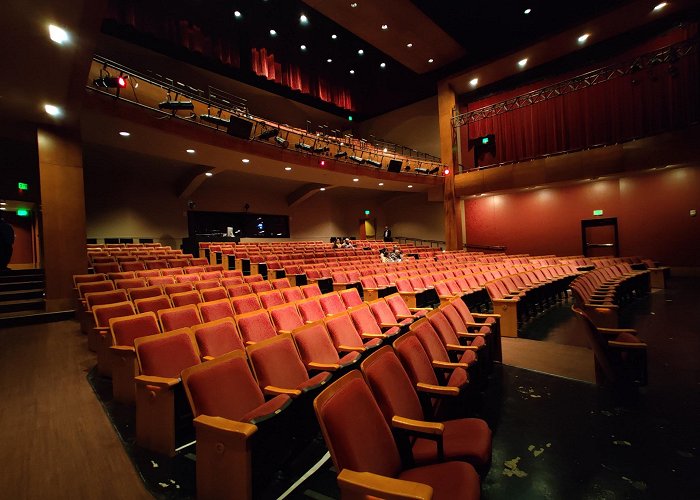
7 240
387 234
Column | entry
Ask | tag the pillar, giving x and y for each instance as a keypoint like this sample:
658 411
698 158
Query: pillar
447 102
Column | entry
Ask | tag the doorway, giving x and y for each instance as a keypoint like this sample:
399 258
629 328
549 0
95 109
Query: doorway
368 229
599 237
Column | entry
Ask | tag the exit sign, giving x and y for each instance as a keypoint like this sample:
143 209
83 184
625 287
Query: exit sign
597 212
22 186
22 212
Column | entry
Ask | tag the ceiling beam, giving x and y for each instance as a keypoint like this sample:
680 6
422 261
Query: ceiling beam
189 182
304 192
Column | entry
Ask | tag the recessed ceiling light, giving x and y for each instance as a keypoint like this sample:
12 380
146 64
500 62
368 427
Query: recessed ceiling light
334 37
474 82
583 38
381 183
52 110
322 189
273 33
356 180
3 203
329 60
303 19
410 186
58 35
430 60
527 11
352 71
385 26
3 208
303 47
409 45
353 5
360 52
382 65
124 134
245 160
208 174
237 13
190 151
660 6
522 62
287 168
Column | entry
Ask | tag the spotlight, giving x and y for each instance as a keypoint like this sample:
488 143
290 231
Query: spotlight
434 170
323 149
357 159
341 154
216 120
376 163
267 134
421 170
305 147
282 142
407 168
111 82
176 105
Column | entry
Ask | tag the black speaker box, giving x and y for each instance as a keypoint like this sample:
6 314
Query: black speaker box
238 127
394 166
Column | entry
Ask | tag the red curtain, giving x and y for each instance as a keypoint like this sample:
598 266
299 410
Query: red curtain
655 99
290 75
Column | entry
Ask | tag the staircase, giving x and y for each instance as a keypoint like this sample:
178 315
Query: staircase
22 299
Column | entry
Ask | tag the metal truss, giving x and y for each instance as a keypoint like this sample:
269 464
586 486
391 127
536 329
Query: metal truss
669 55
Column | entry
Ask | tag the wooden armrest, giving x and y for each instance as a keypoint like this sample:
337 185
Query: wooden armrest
616 330
602 306
323 366
282 332
372 335
236 429
389 325
274 391
156 382
448 365
477 325
438 390
367 484
122 349
627 345
462 348
483 315
347 348
416 309
207 358
469 335
505 301
418 426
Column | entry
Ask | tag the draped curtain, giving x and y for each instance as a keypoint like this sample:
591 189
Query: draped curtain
655 99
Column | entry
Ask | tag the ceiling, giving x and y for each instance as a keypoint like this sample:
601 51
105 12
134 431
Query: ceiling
424 40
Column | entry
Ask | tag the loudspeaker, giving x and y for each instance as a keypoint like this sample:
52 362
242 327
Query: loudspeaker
238 127
394 166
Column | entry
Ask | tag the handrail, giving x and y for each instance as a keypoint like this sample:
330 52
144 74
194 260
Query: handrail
355 151
490 248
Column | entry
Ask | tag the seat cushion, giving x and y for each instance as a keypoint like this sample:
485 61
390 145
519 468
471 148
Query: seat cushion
467 439
449 480
315 381
267 408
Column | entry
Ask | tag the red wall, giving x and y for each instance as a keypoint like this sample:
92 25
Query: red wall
652 211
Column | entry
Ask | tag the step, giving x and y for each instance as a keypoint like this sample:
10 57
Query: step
20 318
22 285
22 305
21 276
19 295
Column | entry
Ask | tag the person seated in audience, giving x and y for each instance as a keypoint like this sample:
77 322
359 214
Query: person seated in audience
347 243
384 255
396 255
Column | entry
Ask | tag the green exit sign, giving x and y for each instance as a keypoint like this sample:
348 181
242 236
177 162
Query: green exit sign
484 140
23 186
367 212
22 212
597 212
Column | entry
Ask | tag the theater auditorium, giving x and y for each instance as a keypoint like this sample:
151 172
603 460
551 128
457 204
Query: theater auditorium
320 249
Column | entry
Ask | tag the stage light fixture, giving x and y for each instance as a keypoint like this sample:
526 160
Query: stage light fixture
267 134
421 170
304 146
323 149
434 170
215 120
376 163
341 154
111 82
176 105
357 159
282 142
